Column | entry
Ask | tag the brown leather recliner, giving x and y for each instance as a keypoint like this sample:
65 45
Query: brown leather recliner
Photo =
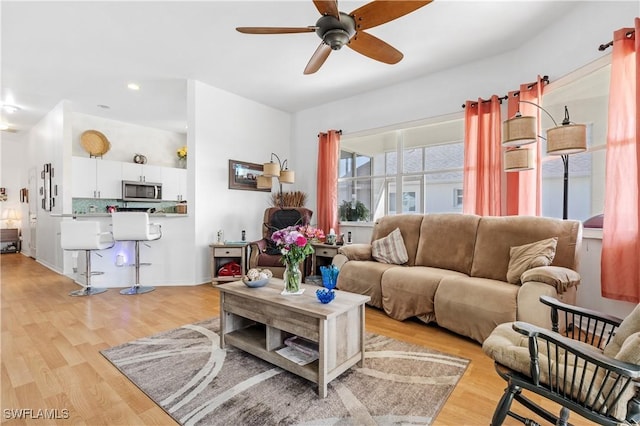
263 253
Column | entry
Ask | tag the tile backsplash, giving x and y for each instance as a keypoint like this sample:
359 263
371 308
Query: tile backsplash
99 205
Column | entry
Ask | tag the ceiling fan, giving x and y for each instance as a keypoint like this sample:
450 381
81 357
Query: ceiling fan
337 29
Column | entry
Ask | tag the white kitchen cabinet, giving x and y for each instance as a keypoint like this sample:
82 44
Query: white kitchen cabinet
141 172
174 184
96 178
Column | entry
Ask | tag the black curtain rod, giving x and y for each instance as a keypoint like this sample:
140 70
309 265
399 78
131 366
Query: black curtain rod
337 131
502 98
544 79
604 47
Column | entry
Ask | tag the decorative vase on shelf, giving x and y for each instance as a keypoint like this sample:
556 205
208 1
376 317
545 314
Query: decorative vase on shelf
182 163
292 279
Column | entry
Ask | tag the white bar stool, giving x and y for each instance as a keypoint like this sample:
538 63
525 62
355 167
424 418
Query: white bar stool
79 235
135 226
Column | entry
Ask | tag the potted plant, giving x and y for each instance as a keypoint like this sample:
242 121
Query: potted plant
351 212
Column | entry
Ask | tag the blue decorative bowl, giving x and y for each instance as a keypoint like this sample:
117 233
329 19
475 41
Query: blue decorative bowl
324 295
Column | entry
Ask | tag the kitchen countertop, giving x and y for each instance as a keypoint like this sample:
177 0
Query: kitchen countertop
74 215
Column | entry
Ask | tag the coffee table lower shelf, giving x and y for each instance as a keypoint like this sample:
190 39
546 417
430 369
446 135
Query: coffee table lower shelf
253 340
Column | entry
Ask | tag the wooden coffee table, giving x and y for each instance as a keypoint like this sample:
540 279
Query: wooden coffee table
258 320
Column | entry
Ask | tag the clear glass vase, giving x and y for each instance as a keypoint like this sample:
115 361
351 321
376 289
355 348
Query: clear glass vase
292 279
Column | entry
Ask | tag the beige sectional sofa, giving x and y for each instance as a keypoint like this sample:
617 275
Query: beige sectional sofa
456 272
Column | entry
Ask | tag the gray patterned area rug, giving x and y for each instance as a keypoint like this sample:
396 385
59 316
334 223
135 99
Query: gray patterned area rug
186 373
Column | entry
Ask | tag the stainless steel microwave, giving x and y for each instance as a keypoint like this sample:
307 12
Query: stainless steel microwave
141 191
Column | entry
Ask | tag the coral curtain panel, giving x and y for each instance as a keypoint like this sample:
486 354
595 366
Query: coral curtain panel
620 276
327 201
524 188
482 181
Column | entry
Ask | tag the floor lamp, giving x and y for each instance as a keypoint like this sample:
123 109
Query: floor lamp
564 140
278 170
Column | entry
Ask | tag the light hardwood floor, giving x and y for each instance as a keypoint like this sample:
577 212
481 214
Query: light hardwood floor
50 347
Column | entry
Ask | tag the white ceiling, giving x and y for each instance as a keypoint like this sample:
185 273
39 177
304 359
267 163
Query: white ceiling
86 52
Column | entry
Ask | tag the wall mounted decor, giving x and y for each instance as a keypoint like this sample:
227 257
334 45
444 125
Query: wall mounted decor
48 201
243 175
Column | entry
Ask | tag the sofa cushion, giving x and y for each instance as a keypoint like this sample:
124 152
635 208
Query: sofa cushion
496 236
447 241
629 326
390 249
528 256
409 292
364 277
475 306
409 225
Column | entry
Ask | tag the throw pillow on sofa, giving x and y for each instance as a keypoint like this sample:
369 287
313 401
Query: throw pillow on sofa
528 256
390 249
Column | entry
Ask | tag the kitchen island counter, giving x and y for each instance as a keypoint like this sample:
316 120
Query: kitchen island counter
169 257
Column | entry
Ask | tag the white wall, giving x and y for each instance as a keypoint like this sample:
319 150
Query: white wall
159 146
223 127
589 293
565 46
48 142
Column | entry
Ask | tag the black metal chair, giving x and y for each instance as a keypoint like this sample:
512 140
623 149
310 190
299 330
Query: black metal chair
591 368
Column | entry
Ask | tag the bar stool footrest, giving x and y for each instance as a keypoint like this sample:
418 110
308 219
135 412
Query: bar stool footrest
136 290
87 291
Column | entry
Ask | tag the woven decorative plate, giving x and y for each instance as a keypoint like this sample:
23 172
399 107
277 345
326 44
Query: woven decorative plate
95 143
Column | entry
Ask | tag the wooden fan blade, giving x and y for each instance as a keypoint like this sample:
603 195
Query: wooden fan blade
319 56
373 47
378 12
275 30
327 7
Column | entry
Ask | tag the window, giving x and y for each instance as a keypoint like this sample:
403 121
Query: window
419 169
587 97
457 197
410 170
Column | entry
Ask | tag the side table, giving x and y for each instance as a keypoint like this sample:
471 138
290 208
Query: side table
221 254
322 256
10 237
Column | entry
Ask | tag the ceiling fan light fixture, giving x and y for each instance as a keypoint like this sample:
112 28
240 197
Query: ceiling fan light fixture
336 38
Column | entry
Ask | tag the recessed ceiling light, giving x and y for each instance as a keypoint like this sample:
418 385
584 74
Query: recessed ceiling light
10 108
133 86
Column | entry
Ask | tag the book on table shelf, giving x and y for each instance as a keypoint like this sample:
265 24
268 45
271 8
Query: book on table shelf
296 355
303 345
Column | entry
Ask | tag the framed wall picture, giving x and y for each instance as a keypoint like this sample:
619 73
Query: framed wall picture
244 176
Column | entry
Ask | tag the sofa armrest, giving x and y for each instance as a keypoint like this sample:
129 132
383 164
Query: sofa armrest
356 251
558 277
